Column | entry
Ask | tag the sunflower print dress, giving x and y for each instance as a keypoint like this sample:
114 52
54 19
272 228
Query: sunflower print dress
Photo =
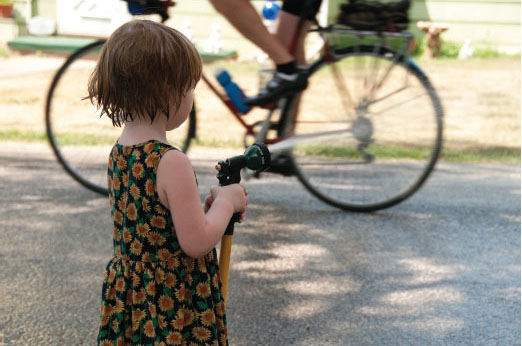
153 293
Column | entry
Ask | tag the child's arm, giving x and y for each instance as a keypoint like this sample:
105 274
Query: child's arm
197 232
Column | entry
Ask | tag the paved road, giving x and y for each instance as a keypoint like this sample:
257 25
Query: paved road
442 268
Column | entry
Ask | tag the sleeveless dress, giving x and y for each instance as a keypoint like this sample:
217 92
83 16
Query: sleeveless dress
153 293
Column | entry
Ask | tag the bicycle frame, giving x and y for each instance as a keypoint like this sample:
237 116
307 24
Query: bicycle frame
336 43
292 49
328 57
228 103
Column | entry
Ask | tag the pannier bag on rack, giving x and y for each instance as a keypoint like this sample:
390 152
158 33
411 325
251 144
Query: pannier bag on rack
375 16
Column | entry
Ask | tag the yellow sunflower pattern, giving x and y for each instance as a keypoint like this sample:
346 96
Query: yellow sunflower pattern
153 293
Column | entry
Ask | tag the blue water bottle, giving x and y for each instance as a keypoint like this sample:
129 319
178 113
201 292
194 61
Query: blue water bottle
235 94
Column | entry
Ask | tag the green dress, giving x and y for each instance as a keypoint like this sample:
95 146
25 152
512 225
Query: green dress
153 293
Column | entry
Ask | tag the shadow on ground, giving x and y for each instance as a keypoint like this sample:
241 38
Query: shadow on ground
442 268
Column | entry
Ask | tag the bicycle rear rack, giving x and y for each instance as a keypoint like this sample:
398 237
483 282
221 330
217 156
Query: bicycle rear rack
386 39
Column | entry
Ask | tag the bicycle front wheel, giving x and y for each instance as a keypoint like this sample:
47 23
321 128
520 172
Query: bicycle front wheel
369 129
79 137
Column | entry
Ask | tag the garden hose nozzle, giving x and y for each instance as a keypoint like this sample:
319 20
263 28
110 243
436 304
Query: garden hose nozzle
256 158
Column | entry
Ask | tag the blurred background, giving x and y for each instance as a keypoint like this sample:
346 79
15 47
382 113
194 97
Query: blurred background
443 268
476 72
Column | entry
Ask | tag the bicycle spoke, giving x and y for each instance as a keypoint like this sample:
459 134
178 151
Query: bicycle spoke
382 98
344 94
378 85
388 108
375 72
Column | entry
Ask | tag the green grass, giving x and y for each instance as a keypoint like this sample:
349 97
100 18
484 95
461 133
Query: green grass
449 50
76 138
65 139
487 154
18 136
388 151
84 139
469 155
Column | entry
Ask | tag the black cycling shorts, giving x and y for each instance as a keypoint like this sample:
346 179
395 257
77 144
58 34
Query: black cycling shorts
296 7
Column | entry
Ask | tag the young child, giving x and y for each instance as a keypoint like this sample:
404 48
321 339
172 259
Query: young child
161 286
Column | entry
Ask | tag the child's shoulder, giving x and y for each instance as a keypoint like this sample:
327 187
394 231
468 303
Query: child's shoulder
175 177
174 160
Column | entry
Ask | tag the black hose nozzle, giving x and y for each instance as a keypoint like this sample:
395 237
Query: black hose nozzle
256 158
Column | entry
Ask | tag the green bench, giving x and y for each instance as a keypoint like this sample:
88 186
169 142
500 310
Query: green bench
65 44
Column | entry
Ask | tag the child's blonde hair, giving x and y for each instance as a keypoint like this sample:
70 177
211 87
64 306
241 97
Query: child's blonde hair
142 66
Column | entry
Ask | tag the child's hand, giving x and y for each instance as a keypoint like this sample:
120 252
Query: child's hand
235 194
208 202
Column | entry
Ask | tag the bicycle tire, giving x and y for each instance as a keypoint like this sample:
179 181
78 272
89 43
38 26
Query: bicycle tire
362 186
81 153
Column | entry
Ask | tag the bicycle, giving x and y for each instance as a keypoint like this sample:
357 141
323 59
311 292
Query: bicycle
371 149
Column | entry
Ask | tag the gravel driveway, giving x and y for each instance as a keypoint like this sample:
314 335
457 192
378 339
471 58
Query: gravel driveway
442 268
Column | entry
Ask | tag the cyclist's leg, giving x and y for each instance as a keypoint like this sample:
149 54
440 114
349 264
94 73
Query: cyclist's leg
285 33
288 23
244 17
290 79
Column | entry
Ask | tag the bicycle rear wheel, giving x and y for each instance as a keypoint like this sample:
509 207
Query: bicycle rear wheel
369 129
80 139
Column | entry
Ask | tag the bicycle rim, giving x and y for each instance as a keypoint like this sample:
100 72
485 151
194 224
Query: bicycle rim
80 138
374 136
